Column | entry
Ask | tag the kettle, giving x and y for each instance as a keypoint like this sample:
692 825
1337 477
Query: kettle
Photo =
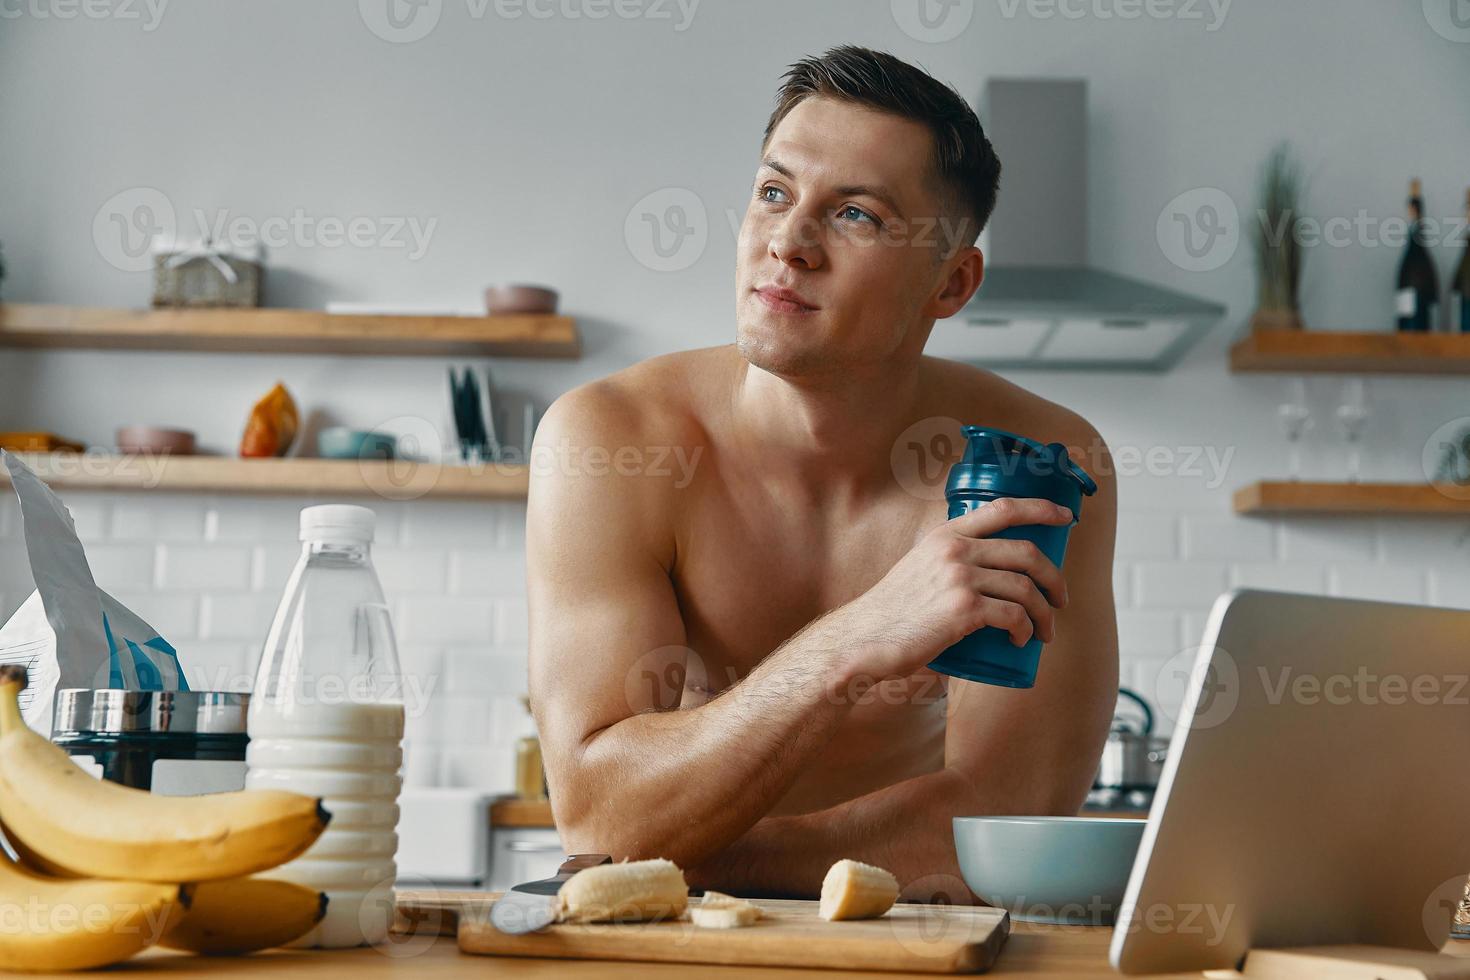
1133 758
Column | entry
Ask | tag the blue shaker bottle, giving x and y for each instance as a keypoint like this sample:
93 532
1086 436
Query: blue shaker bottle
999 464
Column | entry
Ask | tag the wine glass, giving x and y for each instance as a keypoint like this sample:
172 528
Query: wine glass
1295 416
1352 418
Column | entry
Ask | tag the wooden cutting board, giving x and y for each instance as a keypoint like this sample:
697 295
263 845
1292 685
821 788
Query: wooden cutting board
912 938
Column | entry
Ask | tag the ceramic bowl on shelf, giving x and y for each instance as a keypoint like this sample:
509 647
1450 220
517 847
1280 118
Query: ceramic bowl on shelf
341 442
1049 869
519 298
151 440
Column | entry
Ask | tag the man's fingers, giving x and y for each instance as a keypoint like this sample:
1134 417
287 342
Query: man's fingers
1008 616
1024 557
1008 512
1019 589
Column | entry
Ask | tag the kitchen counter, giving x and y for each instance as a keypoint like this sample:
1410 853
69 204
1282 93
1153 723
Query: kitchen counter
1038 951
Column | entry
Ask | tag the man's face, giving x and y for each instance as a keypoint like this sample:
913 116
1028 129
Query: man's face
844 218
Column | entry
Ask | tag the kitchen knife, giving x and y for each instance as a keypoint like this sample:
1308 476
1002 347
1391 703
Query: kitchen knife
531 907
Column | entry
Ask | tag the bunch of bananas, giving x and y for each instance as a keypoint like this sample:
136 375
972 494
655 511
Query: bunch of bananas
106 870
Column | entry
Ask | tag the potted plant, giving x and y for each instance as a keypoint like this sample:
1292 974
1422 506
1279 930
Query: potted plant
1278 242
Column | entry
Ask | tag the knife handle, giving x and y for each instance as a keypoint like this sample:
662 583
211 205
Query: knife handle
577 862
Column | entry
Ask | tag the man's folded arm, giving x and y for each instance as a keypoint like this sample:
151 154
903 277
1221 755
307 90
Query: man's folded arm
607 659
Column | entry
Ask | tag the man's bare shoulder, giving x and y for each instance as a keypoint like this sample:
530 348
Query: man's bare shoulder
976 396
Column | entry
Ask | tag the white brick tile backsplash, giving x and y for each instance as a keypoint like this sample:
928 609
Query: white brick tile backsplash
1212 538
151 519
410 571
512 526
1407 541
219 665
486 767
1147 535
121 567
174 614
15 569
1450 587
493 573
476 671
446 619
510 721
466 524
89 512
420 763
1326 539
1391 583
1177 585
9 513
512 622
1283 577
203 567
1147 633
271 567
238 616
256 521
1122 584
464 719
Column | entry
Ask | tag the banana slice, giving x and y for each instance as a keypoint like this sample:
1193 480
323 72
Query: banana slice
634 891
720 911
853 890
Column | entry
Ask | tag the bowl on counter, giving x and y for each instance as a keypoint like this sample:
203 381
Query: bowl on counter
340 442
519 298
150 440
1070 870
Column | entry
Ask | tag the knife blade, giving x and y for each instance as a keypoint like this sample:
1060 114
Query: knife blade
531 906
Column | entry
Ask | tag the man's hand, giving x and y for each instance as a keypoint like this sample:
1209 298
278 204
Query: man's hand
955 580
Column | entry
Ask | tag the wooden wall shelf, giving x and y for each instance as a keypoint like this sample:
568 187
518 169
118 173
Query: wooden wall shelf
1269 498
1318 351
303 477
285 331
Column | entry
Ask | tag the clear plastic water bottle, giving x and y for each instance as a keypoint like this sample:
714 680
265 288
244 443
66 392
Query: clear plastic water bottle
326 719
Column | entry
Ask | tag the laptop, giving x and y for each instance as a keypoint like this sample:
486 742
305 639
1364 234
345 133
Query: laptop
1317 789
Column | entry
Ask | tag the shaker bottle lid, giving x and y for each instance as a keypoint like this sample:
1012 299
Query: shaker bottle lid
1003 462
338 522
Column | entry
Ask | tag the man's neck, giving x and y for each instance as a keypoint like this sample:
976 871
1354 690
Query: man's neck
828 432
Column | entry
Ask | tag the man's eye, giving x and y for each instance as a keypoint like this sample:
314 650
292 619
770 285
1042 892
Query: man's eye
772 194
855 213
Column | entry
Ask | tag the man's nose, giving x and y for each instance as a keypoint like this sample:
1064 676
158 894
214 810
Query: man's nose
797 240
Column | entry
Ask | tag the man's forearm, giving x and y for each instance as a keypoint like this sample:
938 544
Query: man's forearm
684 784
905 828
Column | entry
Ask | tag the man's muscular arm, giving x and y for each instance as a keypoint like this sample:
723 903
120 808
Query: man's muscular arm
607 644
1006 752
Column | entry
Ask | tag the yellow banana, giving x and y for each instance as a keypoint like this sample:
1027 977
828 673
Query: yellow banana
853 890
242 915
636 891
79 923
73 821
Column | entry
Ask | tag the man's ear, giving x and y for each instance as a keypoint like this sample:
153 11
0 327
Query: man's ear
966 272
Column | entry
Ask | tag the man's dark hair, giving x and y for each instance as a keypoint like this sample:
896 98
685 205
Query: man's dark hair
965 164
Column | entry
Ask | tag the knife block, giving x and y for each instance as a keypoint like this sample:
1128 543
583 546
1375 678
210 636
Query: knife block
1347 963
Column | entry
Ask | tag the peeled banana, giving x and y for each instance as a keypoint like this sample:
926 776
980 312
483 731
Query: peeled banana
79 923
853 890
720 911
243 915
634 891
73 821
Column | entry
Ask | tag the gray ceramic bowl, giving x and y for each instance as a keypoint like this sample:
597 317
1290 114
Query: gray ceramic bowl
1049 869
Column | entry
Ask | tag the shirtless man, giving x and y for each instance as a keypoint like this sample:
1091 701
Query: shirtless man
728 658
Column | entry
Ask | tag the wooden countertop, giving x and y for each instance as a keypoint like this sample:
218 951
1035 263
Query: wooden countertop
1036 951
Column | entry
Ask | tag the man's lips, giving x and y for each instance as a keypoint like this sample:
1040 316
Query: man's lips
784 300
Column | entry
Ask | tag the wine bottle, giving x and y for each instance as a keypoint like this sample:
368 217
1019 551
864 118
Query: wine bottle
1461 284
1418 294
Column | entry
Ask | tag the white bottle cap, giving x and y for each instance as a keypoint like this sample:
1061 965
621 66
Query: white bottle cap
338 522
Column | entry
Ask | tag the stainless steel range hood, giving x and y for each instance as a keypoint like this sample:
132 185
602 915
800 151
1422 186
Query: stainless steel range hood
1042 305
